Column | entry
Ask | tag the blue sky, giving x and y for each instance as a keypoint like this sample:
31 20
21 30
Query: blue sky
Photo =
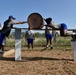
61 11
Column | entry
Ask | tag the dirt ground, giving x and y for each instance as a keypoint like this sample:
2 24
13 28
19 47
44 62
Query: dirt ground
37 62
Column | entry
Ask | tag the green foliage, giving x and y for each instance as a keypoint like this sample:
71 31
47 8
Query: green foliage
40 40
37 34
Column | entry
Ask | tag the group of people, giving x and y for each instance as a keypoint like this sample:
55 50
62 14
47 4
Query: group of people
30 36
49 33
63 31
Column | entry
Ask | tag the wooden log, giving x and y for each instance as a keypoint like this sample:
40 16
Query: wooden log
35 21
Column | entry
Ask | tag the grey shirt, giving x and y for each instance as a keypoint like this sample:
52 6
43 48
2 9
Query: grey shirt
29 34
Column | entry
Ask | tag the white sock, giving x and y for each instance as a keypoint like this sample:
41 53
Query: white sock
47 46
74 33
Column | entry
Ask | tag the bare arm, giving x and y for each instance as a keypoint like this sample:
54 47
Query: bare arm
49 25
52 26
20 22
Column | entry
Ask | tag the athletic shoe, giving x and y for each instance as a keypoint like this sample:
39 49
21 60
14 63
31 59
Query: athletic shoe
1 52
51 47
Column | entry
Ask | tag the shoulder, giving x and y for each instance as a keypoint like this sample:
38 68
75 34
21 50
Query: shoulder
32 31
11 22
6 21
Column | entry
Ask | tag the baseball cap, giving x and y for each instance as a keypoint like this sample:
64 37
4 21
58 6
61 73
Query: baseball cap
12 17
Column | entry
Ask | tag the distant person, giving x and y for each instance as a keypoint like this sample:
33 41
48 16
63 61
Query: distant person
30 36
54 33
8 24
48 34
63 29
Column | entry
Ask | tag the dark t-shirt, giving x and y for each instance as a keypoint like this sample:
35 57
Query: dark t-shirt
8 24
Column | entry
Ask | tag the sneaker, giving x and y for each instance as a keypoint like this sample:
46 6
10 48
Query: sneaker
1 52
51 47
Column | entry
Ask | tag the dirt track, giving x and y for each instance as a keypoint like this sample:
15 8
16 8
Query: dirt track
48 62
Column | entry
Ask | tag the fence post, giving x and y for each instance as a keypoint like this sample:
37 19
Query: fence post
73 45
17 44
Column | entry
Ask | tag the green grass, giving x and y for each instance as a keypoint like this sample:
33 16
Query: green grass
62 42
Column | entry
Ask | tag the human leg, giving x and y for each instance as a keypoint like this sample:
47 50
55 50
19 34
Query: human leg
32 45
47 40
31 41
64 31
2 42
3 45
50 38
28 46
51 47
47 43
28 41
3 48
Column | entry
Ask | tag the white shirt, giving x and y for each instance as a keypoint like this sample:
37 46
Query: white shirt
29 34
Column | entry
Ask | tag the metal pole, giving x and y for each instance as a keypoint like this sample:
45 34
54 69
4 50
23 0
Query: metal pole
73 45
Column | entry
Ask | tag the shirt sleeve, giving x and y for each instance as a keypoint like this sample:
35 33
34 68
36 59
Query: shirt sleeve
56 25
32 31
10 24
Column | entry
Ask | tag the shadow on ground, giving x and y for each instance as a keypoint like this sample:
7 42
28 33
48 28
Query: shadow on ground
34 58
44 58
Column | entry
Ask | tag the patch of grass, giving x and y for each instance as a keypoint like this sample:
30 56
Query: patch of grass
61 42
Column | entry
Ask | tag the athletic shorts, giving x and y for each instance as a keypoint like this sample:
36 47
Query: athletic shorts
48 36
63 26
1 39
30 41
